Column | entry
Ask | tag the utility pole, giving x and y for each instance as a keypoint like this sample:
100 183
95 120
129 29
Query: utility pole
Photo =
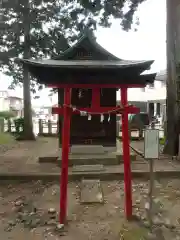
173 76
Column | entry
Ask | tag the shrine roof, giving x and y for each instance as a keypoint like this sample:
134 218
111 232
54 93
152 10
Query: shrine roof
89 71
88 42
89 64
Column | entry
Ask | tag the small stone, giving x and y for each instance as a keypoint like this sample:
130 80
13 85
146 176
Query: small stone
151 236
157 221
22 216
51 222
146 224
60 229
138 215
147 206
8 229
35 223
157 203
141 185
138 201
146 191
54 192
27 223
12 223
143 217
18 203
168 224
52 210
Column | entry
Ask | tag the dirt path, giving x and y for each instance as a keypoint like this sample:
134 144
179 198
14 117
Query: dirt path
24 156
24 212
33 149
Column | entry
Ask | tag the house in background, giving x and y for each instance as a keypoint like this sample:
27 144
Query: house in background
16 105
157 96
4 101
10 102
151 99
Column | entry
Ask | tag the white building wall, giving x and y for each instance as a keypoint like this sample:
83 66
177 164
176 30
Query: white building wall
157 92
4 101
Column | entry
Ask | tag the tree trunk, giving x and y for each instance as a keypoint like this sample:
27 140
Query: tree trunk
28 125
173 86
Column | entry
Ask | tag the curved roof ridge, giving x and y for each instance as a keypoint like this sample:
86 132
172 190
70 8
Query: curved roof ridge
92 39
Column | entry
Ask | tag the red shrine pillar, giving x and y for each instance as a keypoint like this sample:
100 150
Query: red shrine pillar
65 155
126 155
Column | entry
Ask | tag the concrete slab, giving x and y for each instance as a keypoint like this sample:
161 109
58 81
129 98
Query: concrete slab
88 168
89 155
109 174
91 191
114 158
87 149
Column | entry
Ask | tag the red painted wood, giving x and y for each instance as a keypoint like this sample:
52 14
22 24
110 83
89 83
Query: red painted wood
126 155
95 109
98 110
92 86
96 95
65 156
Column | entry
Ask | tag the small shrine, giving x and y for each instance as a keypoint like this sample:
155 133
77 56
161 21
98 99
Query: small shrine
83 130
88 77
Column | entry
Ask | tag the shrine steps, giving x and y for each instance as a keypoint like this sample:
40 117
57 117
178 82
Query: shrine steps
92 162
109 173
109 159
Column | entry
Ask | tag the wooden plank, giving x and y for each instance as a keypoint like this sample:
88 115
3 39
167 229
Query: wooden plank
91 191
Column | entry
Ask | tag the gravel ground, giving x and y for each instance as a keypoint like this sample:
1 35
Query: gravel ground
29 211
8 147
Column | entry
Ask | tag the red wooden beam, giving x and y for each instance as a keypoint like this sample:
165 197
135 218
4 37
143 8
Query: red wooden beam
126 155
96 95
65 156
97 110
92 86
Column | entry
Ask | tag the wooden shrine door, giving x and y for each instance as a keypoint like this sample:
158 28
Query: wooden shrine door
93 131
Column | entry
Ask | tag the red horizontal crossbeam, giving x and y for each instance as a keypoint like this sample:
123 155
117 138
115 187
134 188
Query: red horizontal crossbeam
97 110
91 86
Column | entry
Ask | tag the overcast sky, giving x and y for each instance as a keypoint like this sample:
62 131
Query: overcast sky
149 42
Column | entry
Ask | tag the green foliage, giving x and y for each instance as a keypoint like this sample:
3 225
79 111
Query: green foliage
162 141
7 114
6 138
19 125
53 25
